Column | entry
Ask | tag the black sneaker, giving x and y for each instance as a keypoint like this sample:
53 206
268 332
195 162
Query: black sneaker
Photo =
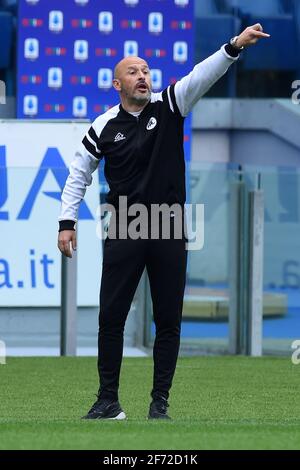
105 409
158 409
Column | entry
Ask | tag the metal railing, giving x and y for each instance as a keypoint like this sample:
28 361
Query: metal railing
246 269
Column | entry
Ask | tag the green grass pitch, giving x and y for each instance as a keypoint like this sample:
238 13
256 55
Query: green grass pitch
215 403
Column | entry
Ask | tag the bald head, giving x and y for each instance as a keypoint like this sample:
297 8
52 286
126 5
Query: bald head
133 81
125 64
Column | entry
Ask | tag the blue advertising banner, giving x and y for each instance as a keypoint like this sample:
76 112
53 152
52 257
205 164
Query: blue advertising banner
67 52
30 262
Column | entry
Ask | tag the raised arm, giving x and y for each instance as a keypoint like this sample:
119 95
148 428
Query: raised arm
205 74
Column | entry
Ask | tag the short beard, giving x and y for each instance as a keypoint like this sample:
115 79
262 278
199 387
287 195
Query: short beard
139 100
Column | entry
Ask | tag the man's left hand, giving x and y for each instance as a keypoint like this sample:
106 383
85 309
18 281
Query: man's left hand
251 35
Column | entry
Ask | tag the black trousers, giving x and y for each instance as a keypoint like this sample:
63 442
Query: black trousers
124 261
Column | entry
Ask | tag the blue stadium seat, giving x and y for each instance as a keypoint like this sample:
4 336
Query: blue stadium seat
9 5
211 7
214 31
280 52
258 7
214 28
287 6
206 8
6 31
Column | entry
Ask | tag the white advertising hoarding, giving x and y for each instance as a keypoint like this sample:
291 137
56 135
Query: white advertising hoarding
34 161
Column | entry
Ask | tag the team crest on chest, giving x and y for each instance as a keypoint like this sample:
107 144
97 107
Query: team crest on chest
151 124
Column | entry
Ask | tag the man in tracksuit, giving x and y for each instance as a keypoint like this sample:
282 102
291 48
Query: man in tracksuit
141 143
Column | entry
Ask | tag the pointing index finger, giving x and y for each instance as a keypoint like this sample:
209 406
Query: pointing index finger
260 34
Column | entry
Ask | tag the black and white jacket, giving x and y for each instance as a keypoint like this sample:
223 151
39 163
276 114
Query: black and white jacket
143 157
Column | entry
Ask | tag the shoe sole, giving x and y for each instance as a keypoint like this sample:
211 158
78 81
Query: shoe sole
120 416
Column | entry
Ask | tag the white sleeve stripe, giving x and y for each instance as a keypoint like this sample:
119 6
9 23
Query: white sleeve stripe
170 101
92 142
